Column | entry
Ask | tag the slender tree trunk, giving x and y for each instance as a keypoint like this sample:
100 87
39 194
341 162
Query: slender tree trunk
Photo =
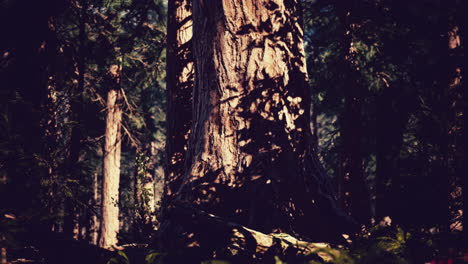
71 223
111 166
250 157
464 168
390 128
179 90
355 195
93 231
49 122
463 22
315 125
455 111
3 251
157 149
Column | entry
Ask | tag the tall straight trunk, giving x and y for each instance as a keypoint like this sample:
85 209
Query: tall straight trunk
111 166
179 90
71 224
463 23
443 173
3 251
157 149
455 112
464 167
315 124
250 157
392 116
355 195
464 144
93 231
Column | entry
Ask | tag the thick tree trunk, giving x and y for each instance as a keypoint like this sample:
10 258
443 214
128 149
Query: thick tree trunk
111 166
180 83
250 153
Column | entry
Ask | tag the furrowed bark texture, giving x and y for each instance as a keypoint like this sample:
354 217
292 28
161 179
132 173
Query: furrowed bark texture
250 157
111 167
180 83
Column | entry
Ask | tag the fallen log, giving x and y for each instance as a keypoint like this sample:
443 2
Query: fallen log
199 235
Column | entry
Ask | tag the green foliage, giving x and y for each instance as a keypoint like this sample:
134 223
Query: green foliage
154 257
214 262
121 258
378 245
391 245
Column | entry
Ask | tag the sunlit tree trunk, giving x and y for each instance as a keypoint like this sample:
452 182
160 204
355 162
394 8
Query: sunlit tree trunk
179 89
111 166
250 157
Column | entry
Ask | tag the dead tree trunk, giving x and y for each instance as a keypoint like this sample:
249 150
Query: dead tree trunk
250 157
111 166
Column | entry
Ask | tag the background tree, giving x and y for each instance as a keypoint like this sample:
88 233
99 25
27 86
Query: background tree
180 74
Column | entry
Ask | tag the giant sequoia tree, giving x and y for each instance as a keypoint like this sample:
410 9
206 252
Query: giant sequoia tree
250 158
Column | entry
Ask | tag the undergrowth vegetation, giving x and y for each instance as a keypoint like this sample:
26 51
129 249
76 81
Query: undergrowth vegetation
378 244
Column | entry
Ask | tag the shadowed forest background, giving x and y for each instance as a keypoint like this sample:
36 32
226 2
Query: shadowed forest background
123 139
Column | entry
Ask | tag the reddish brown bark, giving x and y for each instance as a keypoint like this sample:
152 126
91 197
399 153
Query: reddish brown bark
250 157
